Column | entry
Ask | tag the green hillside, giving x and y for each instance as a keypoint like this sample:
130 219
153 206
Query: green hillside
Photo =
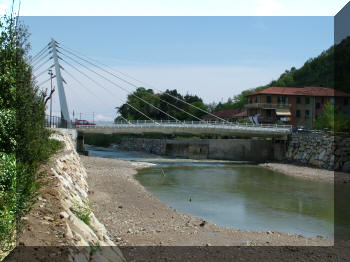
329 69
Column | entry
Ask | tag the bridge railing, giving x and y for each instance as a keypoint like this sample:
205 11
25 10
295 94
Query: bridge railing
187 124
55 122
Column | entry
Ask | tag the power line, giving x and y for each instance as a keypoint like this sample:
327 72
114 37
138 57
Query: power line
178 99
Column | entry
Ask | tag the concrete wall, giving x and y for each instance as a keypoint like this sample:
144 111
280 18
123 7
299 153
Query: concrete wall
223 149
241 149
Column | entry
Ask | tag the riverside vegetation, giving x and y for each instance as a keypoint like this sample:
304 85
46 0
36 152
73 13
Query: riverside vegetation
24 142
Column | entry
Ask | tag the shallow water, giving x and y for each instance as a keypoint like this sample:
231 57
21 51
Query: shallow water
242 196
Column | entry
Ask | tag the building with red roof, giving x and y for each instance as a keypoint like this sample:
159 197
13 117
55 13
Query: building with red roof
292 105
227 114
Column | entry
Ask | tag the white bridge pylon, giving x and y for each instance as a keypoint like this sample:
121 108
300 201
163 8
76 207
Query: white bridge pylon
60 80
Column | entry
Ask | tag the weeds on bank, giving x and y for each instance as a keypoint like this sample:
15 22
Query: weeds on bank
94 247
83 212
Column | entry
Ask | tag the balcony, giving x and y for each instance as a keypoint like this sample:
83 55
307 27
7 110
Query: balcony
268 106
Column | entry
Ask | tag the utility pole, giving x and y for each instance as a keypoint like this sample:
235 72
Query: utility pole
93 117
51 76
61 93
80 117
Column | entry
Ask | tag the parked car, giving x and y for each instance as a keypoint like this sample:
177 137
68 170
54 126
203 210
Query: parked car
301 129
83 123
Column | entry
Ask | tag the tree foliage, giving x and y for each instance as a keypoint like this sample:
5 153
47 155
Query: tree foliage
170 103
332 119
24 142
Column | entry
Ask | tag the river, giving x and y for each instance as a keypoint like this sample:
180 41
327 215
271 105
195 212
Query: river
239 195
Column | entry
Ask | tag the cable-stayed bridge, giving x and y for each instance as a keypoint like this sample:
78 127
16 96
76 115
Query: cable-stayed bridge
68 62
187 127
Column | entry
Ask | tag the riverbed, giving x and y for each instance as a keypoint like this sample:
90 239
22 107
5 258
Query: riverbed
237 195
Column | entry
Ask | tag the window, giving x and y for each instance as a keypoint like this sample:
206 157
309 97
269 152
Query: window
307 100
332 100
322 101
307 114
281 100
268 99
268 113
318 105
250 100
346 101
298 100
297 113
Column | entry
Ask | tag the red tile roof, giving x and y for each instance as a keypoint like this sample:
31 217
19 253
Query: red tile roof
244 113
227 113
304 91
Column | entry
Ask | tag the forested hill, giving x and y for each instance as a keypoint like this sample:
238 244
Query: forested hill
318 71
321 70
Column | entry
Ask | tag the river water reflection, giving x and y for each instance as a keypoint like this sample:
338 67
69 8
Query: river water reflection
242 196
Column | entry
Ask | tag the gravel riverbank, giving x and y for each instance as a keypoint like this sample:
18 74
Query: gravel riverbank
146 229
134 217
310 173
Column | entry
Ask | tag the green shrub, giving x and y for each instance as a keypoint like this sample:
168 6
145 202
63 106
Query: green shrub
82 212
24 142
8 200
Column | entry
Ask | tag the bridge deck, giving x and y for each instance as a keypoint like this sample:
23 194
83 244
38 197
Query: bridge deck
193 128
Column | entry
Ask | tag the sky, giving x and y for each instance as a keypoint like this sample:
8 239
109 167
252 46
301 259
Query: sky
214 57
179 7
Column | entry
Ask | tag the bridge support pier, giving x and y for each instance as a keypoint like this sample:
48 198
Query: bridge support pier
80 144
280 148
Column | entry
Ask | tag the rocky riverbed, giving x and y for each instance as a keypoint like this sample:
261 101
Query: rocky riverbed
136 219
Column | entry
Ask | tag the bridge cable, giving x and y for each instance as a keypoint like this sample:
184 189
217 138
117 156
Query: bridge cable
32 59
88 89
36 68
178 99
37 76
43 82
164 101
120 87
39 59
93 80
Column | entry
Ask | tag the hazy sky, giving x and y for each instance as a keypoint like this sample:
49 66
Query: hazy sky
179 7
213 57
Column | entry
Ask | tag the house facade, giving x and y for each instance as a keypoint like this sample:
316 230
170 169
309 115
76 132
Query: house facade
294 106
227 114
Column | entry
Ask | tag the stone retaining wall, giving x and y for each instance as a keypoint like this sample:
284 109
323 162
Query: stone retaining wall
154 146
91 240
320 150
221 149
